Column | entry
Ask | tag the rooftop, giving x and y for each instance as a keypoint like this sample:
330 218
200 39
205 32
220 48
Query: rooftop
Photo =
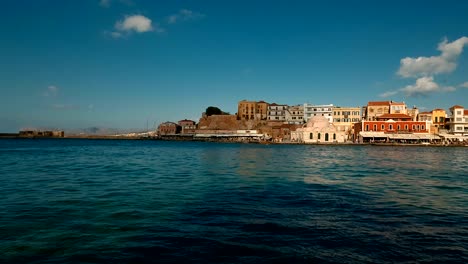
395 116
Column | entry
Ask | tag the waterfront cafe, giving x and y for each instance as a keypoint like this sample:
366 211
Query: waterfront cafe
382 137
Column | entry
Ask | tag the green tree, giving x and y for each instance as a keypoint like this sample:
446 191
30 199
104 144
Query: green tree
213 110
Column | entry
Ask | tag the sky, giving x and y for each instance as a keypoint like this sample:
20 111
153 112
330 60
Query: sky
132 64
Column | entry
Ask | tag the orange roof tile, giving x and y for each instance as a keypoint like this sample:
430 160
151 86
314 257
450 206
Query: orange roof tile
457 106
374 103
395 116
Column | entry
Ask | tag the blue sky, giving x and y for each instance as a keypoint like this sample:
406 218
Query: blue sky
125 63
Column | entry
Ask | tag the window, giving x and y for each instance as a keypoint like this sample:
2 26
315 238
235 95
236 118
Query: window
412 127
334 136
382 127
390 127
367 128
398 127
406 127
311 136
326 136
375 127
459 112
422 127
318 136
418 127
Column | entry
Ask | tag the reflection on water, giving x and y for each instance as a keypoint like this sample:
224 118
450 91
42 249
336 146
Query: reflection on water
66 201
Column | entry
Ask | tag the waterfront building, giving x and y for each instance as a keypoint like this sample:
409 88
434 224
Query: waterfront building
393 127
187 126
398 108
425 116
252 110
295 114
375 109
413 112
42 133
458 122
168 128
344 118
262 110
277 112
311 110
318 129
438 117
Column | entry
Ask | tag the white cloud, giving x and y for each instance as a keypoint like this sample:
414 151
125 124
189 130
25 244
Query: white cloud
464 85
104 3
116 34
184 15
448 89
131 24
425 86
137 23
64 106
446 62
51 91
388 93
107 3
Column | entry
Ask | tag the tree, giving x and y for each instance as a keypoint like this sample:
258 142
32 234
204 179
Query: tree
213 110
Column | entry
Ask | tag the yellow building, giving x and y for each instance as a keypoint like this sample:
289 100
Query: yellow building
251 110
438 117
345 117
262 110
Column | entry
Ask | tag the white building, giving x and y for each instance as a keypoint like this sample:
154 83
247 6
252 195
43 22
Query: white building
458 120
295 114
277 112
318 130
311 110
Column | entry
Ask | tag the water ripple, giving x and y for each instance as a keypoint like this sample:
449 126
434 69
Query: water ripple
101 201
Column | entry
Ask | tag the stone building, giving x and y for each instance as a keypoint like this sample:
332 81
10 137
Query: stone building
295 114
252 110
318 130
169 128
375 109
187 126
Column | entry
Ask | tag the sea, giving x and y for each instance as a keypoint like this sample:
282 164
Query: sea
145 201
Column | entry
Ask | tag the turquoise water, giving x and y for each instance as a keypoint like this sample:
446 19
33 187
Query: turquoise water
106 201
